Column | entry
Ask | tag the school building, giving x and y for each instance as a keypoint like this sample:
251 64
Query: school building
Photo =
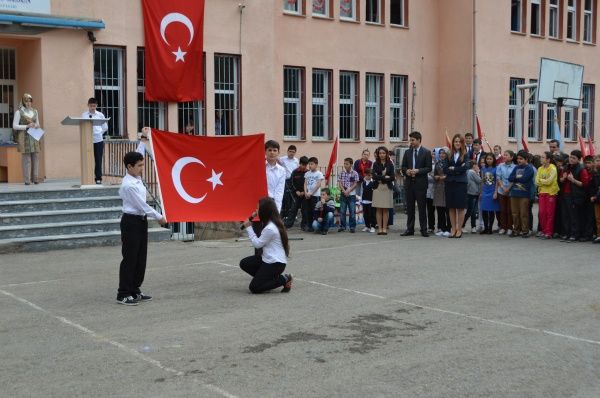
301 71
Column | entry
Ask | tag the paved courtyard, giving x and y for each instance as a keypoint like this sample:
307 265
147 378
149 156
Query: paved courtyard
368 316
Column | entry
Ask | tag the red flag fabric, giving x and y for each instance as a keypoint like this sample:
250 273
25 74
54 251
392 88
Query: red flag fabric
524 142
332 160
173 34
209 178
582 147
591 149
479 133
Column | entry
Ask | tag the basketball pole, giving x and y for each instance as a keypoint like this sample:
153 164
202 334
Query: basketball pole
519 113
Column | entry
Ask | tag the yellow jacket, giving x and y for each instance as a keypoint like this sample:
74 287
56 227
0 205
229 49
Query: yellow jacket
547 180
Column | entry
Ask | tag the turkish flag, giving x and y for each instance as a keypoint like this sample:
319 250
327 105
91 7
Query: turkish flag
332 161
173 33
209 178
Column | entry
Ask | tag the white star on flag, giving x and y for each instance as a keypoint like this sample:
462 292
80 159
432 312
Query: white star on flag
215 179
179 55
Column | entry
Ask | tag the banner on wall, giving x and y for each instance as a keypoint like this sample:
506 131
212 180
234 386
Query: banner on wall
26 6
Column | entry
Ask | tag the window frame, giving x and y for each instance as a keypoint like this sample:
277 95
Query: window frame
572 14
554 9
402 106
539 19
159 107
589 22
326 101
522 17
236 119
404 16
299 116
299 7
587 112
327 5
377 105
354 100
380 12
121 108
513 106
534 124
570 123
355 7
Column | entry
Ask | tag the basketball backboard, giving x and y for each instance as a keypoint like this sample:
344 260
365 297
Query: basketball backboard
560 79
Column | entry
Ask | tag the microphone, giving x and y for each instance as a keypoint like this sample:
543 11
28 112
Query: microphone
90 115
243 227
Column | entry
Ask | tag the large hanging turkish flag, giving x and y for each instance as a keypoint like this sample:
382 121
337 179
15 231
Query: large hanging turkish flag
209 178
173 32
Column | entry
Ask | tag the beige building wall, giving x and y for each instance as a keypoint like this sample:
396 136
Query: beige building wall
435 52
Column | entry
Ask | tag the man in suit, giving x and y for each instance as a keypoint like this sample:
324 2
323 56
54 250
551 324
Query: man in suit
477 152
416 164
469 145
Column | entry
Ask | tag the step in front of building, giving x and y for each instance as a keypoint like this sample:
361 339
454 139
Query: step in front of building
73 241
40 220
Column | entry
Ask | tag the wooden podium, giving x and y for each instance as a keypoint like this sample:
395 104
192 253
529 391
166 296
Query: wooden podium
86 144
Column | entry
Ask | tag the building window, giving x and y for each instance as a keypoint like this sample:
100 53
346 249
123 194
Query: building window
292 6
549 123
516 15
587 111
534 113
348 103
373 108
190 117
373 11
322 121
589 22
512 105
149 114
571 20
8 75
398 108
348 9
398 10
293 95
109 81
569 124
227 95
554 19
536 18
321 8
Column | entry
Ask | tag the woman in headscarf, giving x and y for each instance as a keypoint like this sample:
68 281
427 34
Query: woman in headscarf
27 117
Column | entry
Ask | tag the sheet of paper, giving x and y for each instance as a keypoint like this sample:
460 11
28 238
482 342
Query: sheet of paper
36 133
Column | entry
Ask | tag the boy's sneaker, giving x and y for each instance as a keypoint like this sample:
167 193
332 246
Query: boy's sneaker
310 230
341 229
323 232
351 230
446 234
288 284
502 231
474 230
572 239
129 300
143 297
372 230
509 232
439 233
366 229
526 234
597 240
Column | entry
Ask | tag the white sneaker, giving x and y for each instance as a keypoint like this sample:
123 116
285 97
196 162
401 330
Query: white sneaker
509 232
365 229
474 230
372 230
446 234
439 233
502 231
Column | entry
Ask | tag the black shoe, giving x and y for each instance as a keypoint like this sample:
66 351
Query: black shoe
323 232
98 182
310 230
341 229
407 233
288 284
352 230
572 239
425 234
143 297
129 300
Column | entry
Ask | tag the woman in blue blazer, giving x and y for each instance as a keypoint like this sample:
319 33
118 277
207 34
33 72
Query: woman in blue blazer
456 184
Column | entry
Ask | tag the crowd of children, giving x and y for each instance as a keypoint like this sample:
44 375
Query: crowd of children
502 188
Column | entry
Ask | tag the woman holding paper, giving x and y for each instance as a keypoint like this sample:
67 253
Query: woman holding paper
26 118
